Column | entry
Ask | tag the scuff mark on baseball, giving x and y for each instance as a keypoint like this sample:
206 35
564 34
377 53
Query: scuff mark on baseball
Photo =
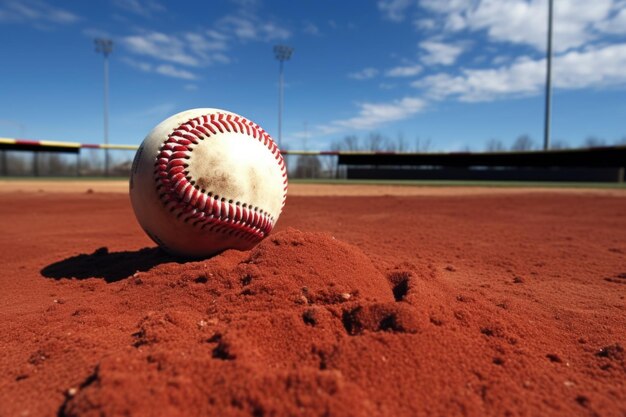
207 180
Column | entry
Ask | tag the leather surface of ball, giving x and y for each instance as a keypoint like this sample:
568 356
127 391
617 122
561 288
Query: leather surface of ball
206 180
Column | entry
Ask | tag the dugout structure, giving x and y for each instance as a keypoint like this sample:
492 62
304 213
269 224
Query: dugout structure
42 147
605 164
602 164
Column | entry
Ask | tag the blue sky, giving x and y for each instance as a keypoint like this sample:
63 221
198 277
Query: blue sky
454 73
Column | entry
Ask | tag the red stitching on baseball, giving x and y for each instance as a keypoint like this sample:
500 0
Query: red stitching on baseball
204 209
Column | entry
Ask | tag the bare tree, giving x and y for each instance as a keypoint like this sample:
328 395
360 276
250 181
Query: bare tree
92 165
594 142
375 142
494 145
559 144
398 145
16 165
308 166
523 143
56 164
349 143
422 145
328 166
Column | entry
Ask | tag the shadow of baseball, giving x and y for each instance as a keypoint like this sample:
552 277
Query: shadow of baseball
110 266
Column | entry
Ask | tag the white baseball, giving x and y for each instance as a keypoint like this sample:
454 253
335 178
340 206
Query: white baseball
207 180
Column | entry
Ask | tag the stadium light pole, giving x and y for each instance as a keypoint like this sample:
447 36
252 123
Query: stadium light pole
105 46
282 54
546 126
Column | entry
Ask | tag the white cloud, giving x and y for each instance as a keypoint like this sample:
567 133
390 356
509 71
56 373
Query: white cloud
372 115
425 24
216 36
161 46
171 71
616 24
440 52
251 28
190 49
208 50
404 71
394 9
364 74
500 59
590 68
311 29
163 69
524 21
142 66
144 8
36 12
199 48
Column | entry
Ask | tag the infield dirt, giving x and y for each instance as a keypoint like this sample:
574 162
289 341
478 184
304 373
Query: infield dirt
468 303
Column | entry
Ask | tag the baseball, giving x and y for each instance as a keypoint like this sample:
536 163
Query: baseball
207 180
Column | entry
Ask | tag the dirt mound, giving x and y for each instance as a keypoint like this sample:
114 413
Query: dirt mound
304 324
255 333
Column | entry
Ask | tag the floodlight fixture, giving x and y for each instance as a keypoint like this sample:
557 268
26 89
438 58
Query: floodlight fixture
282 52
104 46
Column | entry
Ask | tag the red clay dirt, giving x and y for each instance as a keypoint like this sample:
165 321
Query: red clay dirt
479 305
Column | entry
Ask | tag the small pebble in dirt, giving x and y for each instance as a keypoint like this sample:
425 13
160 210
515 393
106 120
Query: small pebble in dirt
464 298
518 280
554 357
582 400
498 361
71 392
201 279
615 351
309 317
